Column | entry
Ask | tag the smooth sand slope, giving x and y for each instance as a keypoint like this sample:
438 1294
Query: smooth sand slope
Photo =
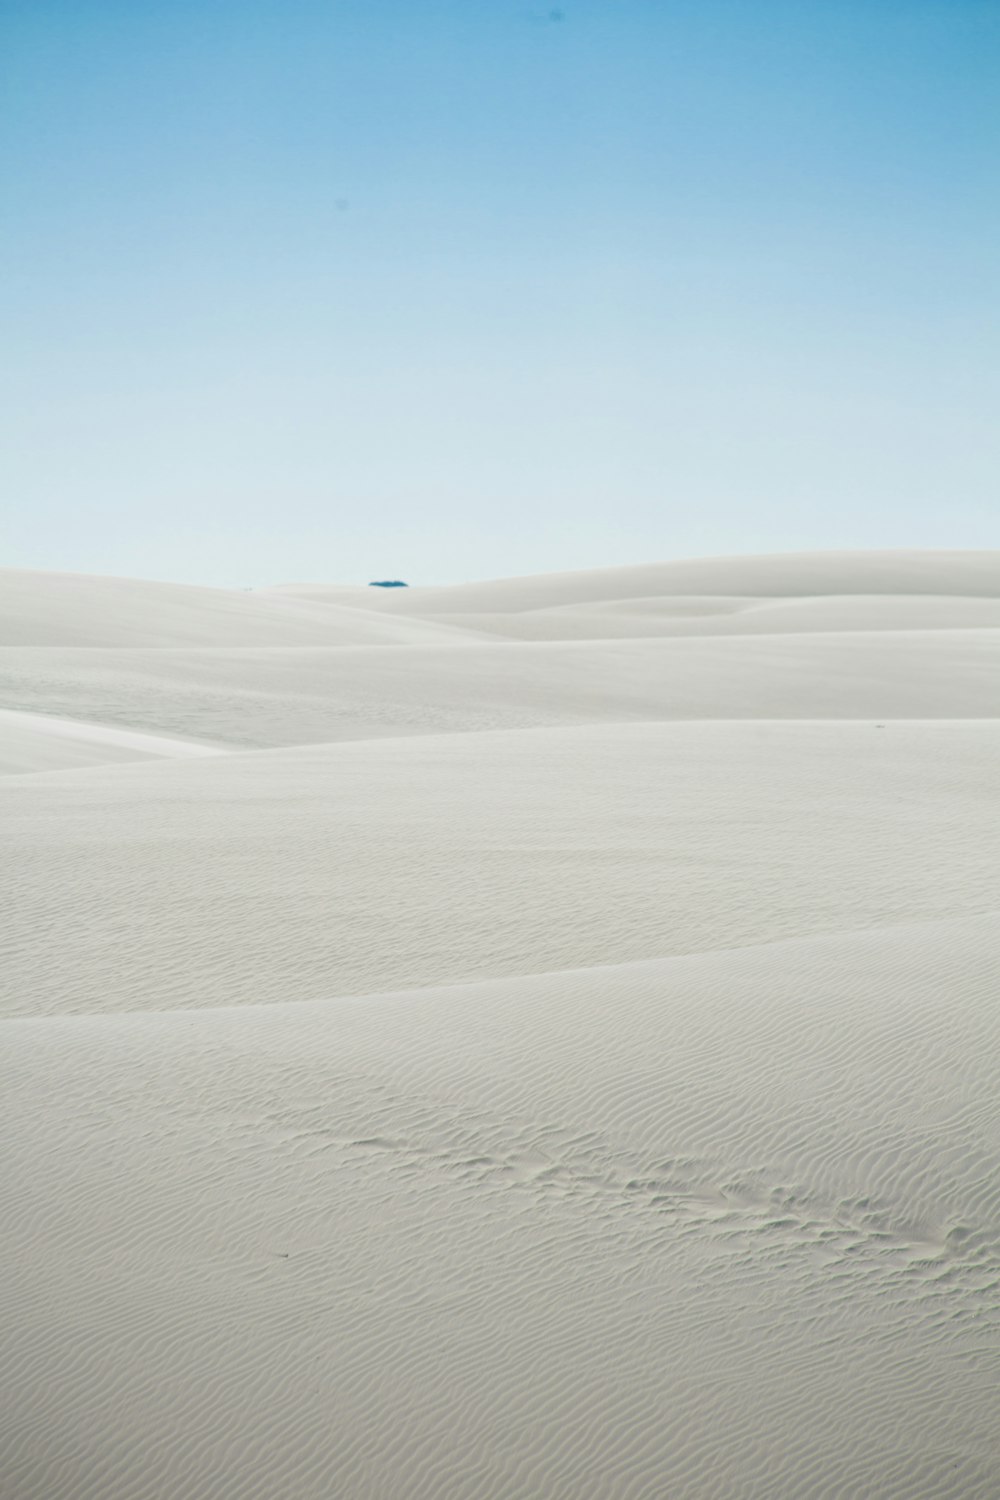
565 1065
792 575
622 619
253 698
76 609
296 874
41 742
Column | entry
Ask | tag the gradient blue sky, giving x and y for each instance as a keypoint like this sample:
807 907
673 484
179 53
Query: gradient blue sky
450 290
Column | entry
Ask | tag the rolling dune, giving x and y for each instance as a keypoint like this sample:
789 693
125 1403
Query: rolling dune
41 742
791 575
77 609
662 615
252 698
527 1039
355 868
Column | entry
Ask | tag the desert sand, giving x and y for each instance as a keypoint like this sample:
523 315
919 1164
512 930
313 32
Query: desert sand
529 1040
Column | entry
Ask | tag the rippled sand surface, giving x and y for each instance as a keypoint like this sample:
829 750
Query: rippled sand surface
479 1051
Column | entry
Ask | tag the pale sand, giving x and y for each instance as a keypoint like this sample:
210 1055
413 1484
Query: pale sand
566 1066
41 742
253 698
297 874
77 609
786 575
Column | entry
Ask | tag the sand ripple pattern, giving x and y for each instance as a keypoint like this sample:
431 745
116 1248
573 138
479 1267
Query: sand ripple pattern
475 1242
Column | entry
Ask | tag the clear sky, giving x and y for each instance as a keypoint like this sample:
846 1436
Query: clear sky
446 289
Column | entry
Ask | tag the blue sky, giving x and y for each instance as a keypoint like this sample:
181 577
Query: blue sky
452 290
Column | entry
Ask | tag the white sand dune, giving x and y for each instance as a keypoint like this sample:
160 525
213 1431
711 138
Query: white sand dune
256 698
39 742
781 575
612 619
533 1040
721 1225
77 609
294 874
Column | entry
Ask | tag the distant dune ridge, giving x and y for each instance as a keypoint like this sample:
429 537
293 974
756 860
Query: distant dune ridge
535 1038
